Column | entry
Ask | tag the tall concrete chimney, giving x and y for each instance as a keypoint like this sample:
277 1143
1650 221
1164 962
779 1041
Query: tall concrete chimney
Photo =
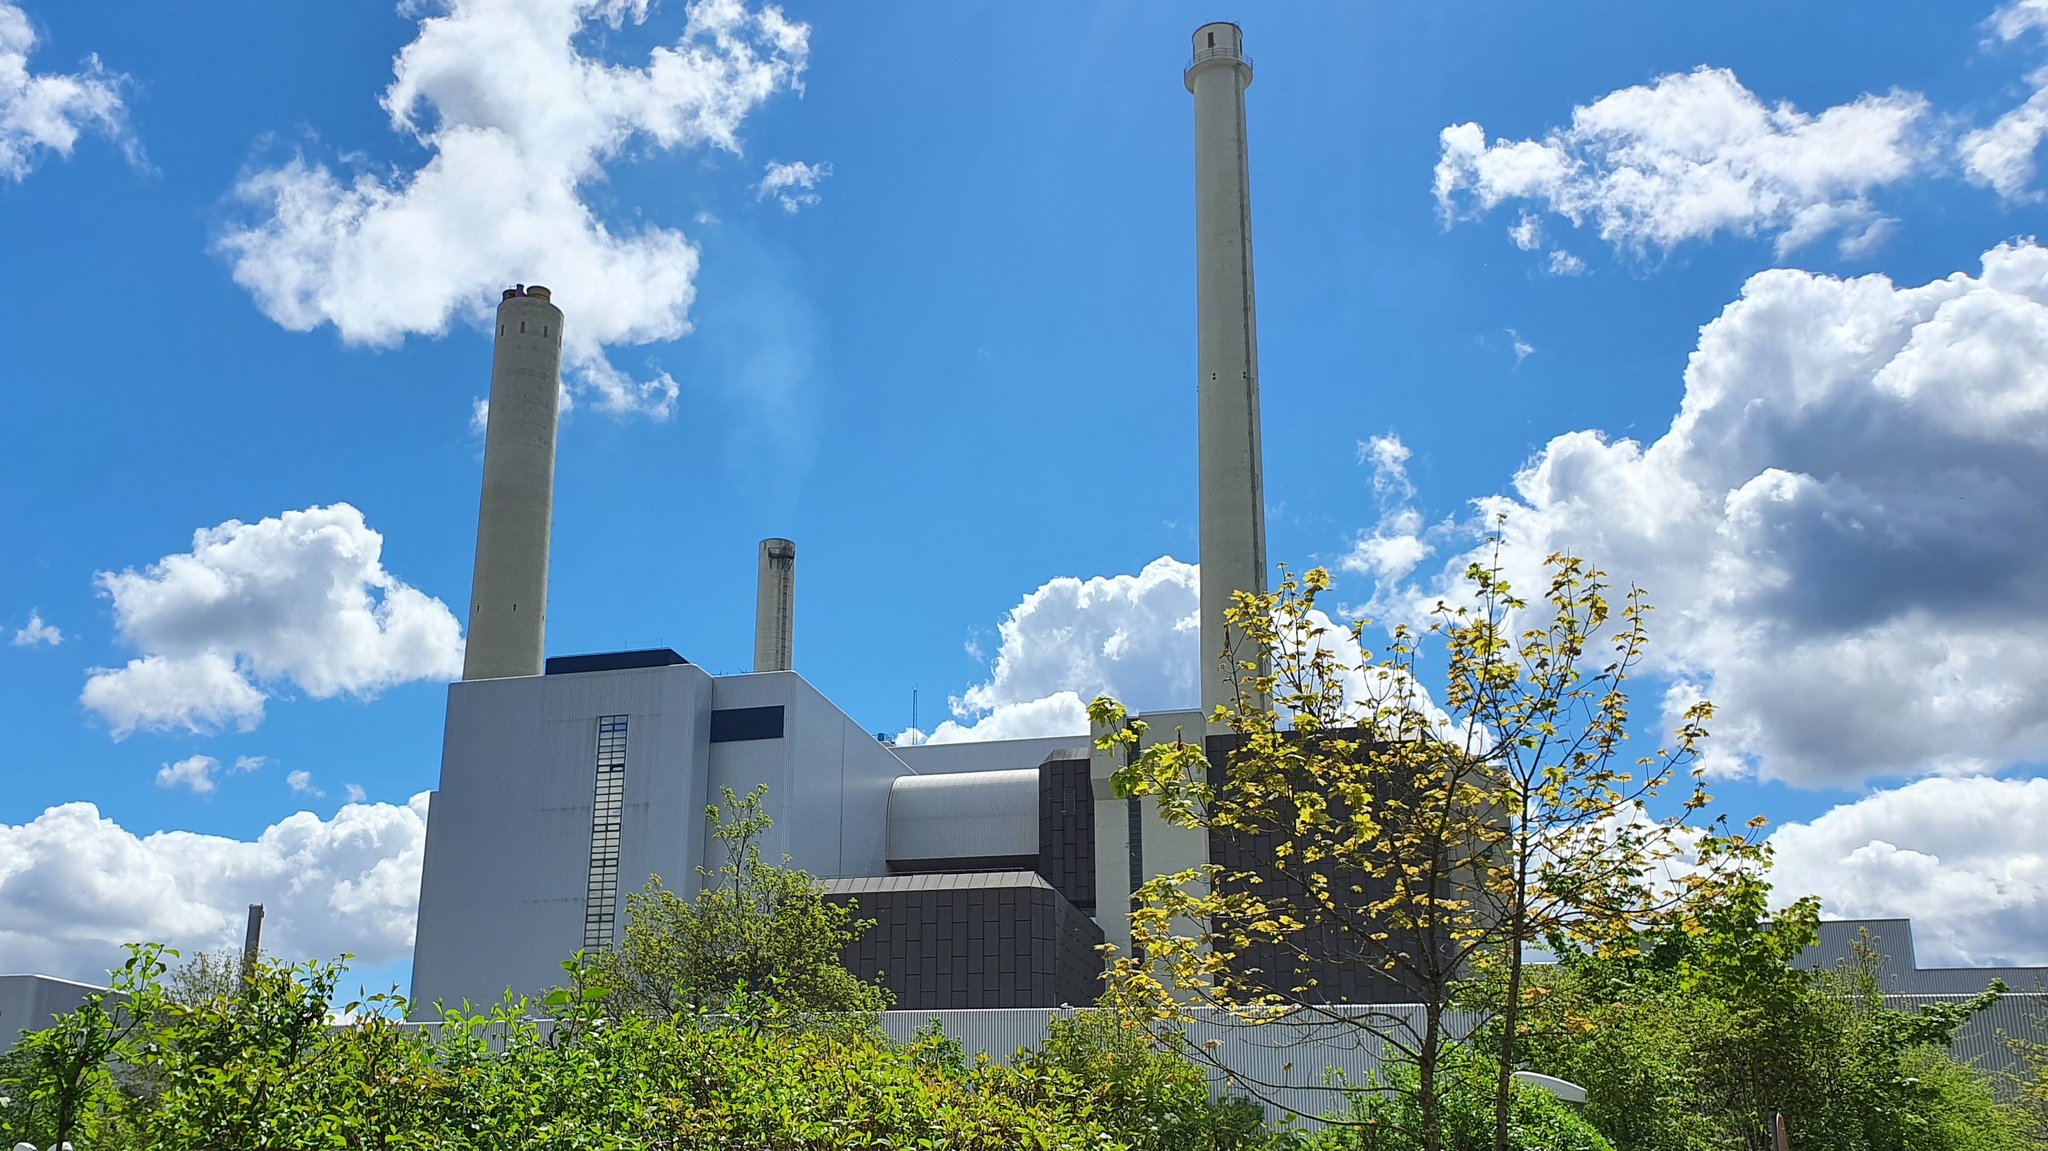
1232 490
508 599
775 605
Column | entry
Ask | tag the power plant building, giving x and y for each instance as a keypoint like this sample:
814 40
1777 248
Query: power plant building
994 870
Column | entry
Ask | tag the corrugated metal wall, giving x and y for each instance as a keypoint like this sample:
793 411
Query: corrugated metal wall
1300 1064
1981 1042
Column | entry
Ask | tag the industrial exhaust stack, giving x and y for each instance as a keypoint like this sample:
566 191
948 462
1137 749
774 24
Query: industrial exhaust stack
252 946
1232 511
509 585
775 605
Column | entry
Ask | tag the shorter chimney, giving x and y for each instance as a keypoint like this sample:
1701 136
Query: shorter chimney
775 605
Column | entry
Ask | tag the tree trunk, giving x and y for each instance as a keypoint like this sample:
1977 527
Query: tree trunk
1518 913
1425 1071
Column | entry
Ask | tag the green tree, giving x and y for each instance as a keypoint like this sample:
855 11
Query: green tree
1693 1041
205 975
755 930
60 1083
2030 1082
1380 1119
1368 834
254 1069
1149 1095
279 1069
1581 859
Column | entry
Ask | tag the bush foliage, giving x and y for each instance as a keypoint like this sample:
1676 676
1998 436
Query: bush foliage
1681 1052
1152 1099
1387 1119
269 1069
1674 1056
753 928
727 1022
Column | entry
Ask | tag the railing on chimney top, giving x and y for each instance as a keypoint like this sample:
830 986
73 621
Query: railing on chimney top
1219 52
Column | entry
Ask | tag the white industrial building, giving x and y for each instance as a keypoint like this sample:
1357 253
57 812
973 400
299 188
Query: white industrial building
994 869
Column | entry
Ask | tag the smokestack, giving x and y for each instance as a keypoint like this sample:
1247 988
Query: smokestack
1232 490
252 946
509 586
775 605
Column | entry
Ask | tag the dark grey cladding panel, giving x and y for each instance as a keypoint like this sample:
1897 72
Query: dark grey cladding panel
738 724
1325 956
613 661
972 941
1066 826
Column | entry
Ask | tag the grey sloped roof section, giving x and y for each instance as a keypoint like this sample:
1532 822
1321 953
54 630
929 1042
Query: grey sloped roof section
612 661
1898 971
944 881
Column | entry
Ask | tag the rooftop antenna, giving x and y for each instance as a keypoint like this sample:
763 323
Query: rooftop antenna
916 736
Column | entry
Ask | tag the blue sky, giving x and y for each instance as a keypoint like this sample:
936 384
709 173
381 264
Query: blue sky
912 284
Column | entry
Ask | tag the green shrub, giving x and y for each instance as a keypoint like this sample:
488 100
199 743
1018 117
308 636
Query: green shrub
269 1069
1677 1058
1150 1097
1387 1117
750 928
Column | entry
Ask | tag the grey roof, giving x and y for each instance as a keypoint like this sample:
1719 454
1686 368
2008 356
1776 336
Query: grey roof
1893 939
1898 971
944 881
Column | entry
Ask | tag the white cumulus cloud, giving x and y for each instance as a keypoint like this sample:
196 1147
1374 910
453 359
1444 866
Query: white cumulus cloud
75 886
300 599
48 111
1061 713
1527 232
301 783
1690 155
35 631
519 122
1400 541
2002 155
1134 637
793 185
194 772
1966 859
1563 263
1838 526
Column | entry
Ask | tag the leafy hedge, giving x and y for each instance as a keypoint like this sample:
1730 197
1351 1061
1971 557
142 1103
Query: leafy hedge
269 1069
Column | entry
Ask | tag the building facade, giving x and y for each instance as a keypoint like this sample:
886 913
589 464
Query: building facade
561 793
994 870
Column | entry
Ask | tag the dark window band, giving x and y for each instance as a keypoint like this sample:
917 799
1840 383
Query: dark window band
738 724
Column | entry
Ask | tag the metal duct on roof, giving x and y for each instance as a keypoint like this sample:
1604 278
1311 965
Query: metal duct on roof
968 816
